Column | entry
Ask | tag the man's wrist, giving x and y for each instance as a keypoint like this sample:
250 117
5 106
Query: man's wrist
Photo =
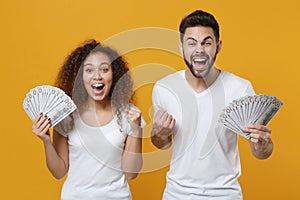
161 141
162 136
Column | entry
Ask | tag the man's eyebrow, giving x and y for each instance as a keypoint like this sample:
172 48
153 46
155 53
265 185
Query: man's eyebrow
191 38
206 38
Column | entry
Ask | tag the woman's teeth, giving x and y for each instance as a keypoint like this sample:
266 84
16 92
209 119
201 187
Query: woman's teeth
98 86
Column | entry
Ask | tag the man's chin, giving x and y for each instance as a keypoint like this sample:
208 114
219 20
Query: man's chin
197 73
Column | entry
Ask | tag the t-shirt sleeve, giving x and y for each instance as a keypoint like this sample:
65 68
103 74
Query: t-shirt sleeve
249 90
156 100
143 122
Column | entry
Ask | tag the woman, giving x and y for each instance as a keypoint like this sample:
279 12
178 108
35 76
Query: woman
99 145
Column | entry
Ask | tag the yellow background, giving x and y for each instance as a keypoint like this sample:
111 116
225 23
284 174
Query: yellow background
260 43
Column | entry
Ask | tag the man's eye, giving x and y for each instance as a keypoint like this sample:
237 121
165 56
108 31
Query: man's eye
192 44
206 43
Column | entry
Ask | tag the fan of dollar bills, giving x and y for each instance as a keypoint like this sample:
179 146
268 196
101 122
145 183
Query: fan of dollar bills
256 109
50 101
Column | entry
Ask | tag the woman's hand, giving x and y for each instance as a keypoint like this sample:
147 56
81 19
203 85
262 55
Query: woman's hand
134 116
41 127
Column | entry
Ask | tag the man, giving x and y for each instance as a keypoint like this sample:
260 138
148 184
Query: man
205 161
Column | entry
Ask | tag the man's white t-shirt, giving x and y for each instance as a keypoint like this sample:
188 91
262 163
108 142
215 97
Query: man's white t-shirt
205 161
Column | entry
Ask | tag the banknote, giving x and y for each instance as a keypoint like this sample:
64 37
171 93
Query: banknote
255 109
50 101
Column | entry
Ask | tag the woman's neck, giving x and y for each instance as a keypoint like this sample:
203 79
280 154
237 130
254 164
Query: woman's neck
104 105
96 113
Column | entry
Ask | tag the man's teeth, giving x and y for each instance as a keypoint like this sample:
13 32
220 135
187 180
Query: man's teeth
199 60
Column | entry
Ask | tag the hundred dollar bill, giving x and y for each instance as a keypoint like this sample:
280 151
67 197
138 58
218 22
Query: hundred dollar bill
255 109
50 101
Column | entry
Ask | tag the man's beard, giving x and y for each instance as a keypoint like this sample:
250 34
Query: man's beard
210 65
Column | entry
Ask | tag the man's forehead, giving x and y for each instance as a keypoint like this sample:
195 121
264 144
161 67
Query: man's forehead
198 33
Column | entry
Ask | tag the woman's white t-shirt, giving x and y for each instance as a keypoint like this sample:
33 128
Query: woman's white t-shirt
95 155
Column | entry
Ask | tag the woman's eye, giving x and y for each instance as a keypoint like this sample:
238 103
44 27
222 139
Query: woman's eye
104 70
88 70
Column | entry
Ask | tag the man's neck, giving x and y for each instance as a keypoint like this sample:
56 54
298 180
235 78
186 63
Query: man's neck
201 84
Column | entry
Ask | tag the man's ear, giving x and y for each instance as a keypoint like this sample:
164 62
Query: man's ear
180 48
219 46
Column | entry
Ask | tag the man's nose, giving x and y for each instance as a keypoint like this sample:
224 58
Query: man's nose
199 48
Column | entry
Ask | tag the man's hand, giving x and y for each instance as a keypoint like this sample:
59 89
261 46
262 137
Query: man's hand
163 126
260 140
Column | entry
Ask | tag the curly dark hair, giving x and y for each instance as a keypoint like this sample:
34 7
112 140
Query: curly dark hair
69 78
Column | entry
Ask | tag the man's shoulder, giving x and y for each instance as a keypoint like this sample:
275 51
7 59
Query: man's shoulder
171 78
228 76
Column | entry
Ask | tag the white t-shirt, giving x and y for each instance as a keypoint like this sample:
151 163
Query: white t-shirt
95 158
205 161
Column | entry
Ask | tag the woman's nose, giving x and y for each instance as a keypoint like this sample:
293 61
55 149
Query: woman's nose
98 74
